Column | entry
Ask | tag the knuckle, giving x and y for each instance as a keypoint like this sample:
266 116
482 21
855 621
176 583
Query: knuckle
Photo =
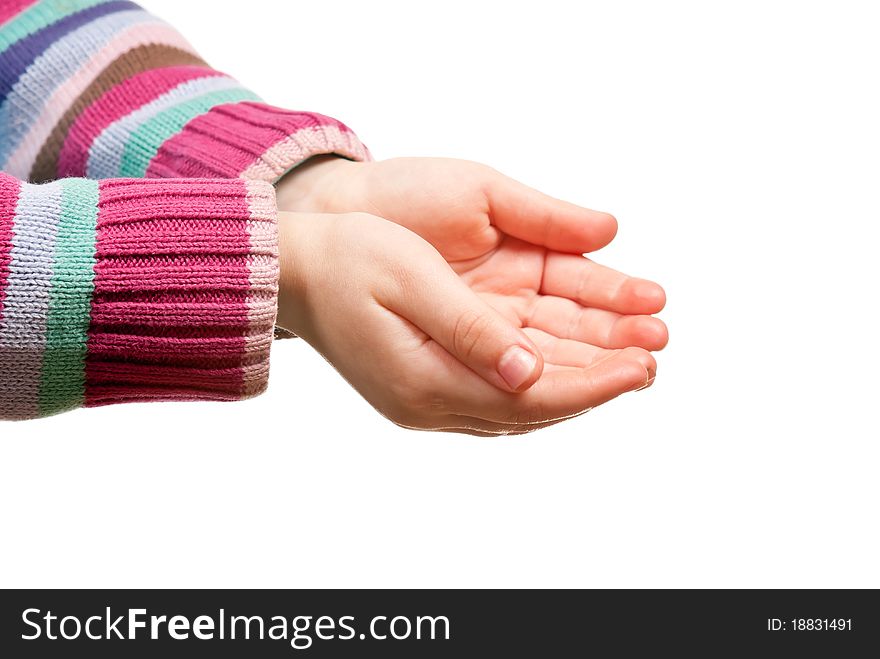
405 280
468 333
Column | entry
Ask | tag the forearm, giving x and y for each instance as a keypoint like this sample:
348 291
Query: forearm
134 290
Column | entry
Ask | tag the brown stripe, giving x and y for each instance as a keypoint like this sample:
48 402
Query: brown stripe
136 60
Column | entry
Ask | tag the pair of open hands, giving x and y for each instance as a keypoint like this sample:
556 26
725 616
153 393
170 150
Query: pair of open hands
452 297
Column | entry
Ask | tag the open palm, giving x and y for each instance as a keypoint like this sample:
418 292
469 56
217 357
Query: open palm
522 252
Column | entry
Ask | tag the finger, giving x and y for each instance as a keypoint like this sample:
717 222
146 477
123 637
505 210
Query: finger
561 392
566 319
594 285
431 296
530 215
565 352
566 392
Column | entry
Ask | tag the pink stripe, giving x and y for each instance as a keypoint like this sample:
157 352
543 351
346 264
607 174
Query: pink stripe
116 103
110 312
200 349
139 289
191 271
264 272
131 238
9 190
277 159
69 91
173 377
226 140
110 394
9 8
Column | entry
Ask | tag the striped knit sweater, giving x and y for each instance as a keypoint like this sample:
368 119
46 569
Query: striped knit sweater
159 280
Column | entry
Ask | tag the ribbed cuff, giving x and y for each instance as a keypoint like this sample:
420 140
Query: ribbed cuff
134 290
253 141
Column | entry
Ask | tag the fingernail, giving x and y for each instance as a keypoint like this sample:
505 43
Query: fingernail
651 374
516 366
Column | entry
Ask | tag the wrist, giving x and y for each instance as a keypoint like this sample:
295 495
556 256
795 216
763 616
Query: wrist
319 185
293 251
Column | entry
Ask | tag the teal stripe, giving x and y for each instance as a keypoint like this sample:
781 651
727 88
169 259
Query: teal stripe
144 143
63 381
35 18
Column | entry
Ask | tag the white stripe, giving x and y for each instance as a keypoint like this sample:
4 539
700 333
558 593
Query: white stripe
22 159
106 152
28 289
53 67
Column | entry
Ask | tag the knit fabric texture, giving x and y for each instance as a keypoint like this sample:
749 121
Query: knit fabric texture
158 281
126 290
103 89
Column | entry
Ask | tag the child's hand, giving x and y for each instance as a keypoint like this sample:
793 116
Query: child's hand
517 247
391 315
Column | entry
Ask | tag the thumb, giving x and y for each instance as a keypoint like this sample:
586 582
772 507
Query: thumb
529 215
446 309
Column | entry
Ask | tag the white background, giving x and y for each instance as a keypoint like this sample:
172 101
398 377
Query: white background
739 147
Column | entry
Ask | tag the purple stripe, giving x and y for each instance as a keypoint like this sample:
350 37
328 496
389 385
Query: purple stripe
16 60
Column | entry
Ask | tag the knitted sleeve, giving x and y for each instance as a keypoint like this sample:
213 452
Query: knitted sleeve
103 89
133 290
